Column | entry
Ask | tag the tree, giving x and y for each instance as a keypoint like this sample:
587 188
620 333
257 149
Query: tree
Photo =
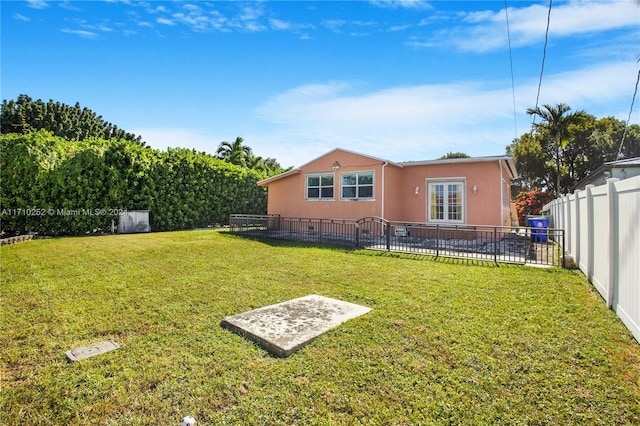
588 145
74 123
454 155
556 121
531 203
242 155
531 162
235 153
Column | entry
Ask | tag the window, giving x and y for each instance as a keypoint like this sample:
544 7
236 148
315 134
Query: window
357 186
446 202
320 187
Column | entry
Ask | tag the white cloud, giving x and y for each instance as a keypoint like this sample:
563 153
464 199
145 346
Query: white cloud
406 123
165 21
334 25
196 21
398 4
395 123
601 89
251 13
251 27
278 24
38 4
19 17
486 30
192 7
403 27
98 27
426 121
66 4
82 33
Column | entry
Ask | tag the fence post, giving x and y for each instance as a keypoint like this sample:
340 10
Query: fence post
564 252
590 232
612 290
437 240
495 244
387 231
567 222
576 228
357 235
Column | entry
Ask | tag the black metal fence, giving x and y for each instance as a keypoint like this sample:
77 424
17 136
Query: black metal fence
322 231
522 245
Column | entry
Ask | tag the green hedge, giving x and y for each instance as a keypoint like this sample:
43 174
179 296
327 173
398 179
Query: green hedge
53 186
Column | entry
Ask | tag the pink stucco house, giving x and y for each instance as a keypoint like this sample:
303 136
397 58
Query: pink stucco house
346 185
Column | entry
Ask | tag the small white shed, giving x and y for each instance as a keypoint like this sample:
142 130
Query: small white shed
134 221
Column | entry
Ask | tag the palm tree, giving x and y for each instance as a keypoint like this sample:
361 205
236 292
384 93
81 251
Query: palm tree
555 123
234 152
269 165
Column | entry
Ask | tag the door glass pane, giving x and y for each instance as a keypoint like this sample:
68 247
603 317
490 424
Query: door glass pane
437 205
454 201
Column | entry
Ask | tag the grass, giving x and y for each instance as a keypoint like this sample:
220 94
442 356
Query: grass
447 342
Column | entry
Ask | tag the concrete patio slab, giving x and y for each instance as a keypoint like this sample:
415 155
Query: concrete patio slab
88 351
284 328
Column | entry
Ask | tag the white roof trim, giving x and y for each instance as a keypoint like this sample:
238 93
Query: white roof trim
507 159
265 182
382 160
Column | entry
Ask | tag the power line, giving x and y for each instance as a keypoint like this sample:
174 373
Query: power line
626 125
544 56
513 86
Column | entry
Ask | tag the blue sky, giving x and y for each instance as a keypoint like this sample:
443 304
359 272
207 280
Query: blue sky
401 80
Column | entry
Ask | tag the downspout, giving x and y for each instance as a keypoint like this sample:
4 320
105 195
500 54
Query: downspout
383 166
501 195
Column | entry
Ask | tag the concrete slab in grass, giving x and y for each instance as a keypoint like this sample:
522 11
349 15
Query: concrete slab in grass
92 350
284 328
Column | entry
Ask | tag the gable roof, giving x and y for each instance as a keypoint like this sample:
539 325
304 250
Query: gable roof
508 160
382 160
298 169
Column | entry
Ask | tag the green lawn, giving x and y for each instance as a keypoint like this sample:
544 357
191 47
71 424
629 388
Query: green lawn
447 342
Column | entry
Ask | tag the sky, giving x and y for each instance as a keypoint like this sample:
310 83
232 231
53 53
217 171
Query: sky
401 80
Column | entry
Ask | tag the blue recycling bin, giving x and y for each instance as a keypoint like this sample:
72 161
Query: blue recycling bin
539 226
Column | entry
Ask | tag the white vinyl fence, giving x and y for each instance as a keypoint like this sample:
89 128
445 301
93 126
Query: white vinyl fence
602 225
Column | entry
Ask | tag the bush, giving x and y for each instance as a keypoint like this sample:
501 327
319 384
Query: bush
53 186
531 203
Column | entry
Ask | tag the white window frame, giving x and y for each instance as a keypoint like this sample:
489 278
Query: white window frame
357 186
431 184
320 187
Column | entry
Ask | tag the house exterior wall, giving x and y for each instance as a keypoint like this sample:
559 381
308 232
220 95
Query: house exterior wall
395 196
287 196
482 208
